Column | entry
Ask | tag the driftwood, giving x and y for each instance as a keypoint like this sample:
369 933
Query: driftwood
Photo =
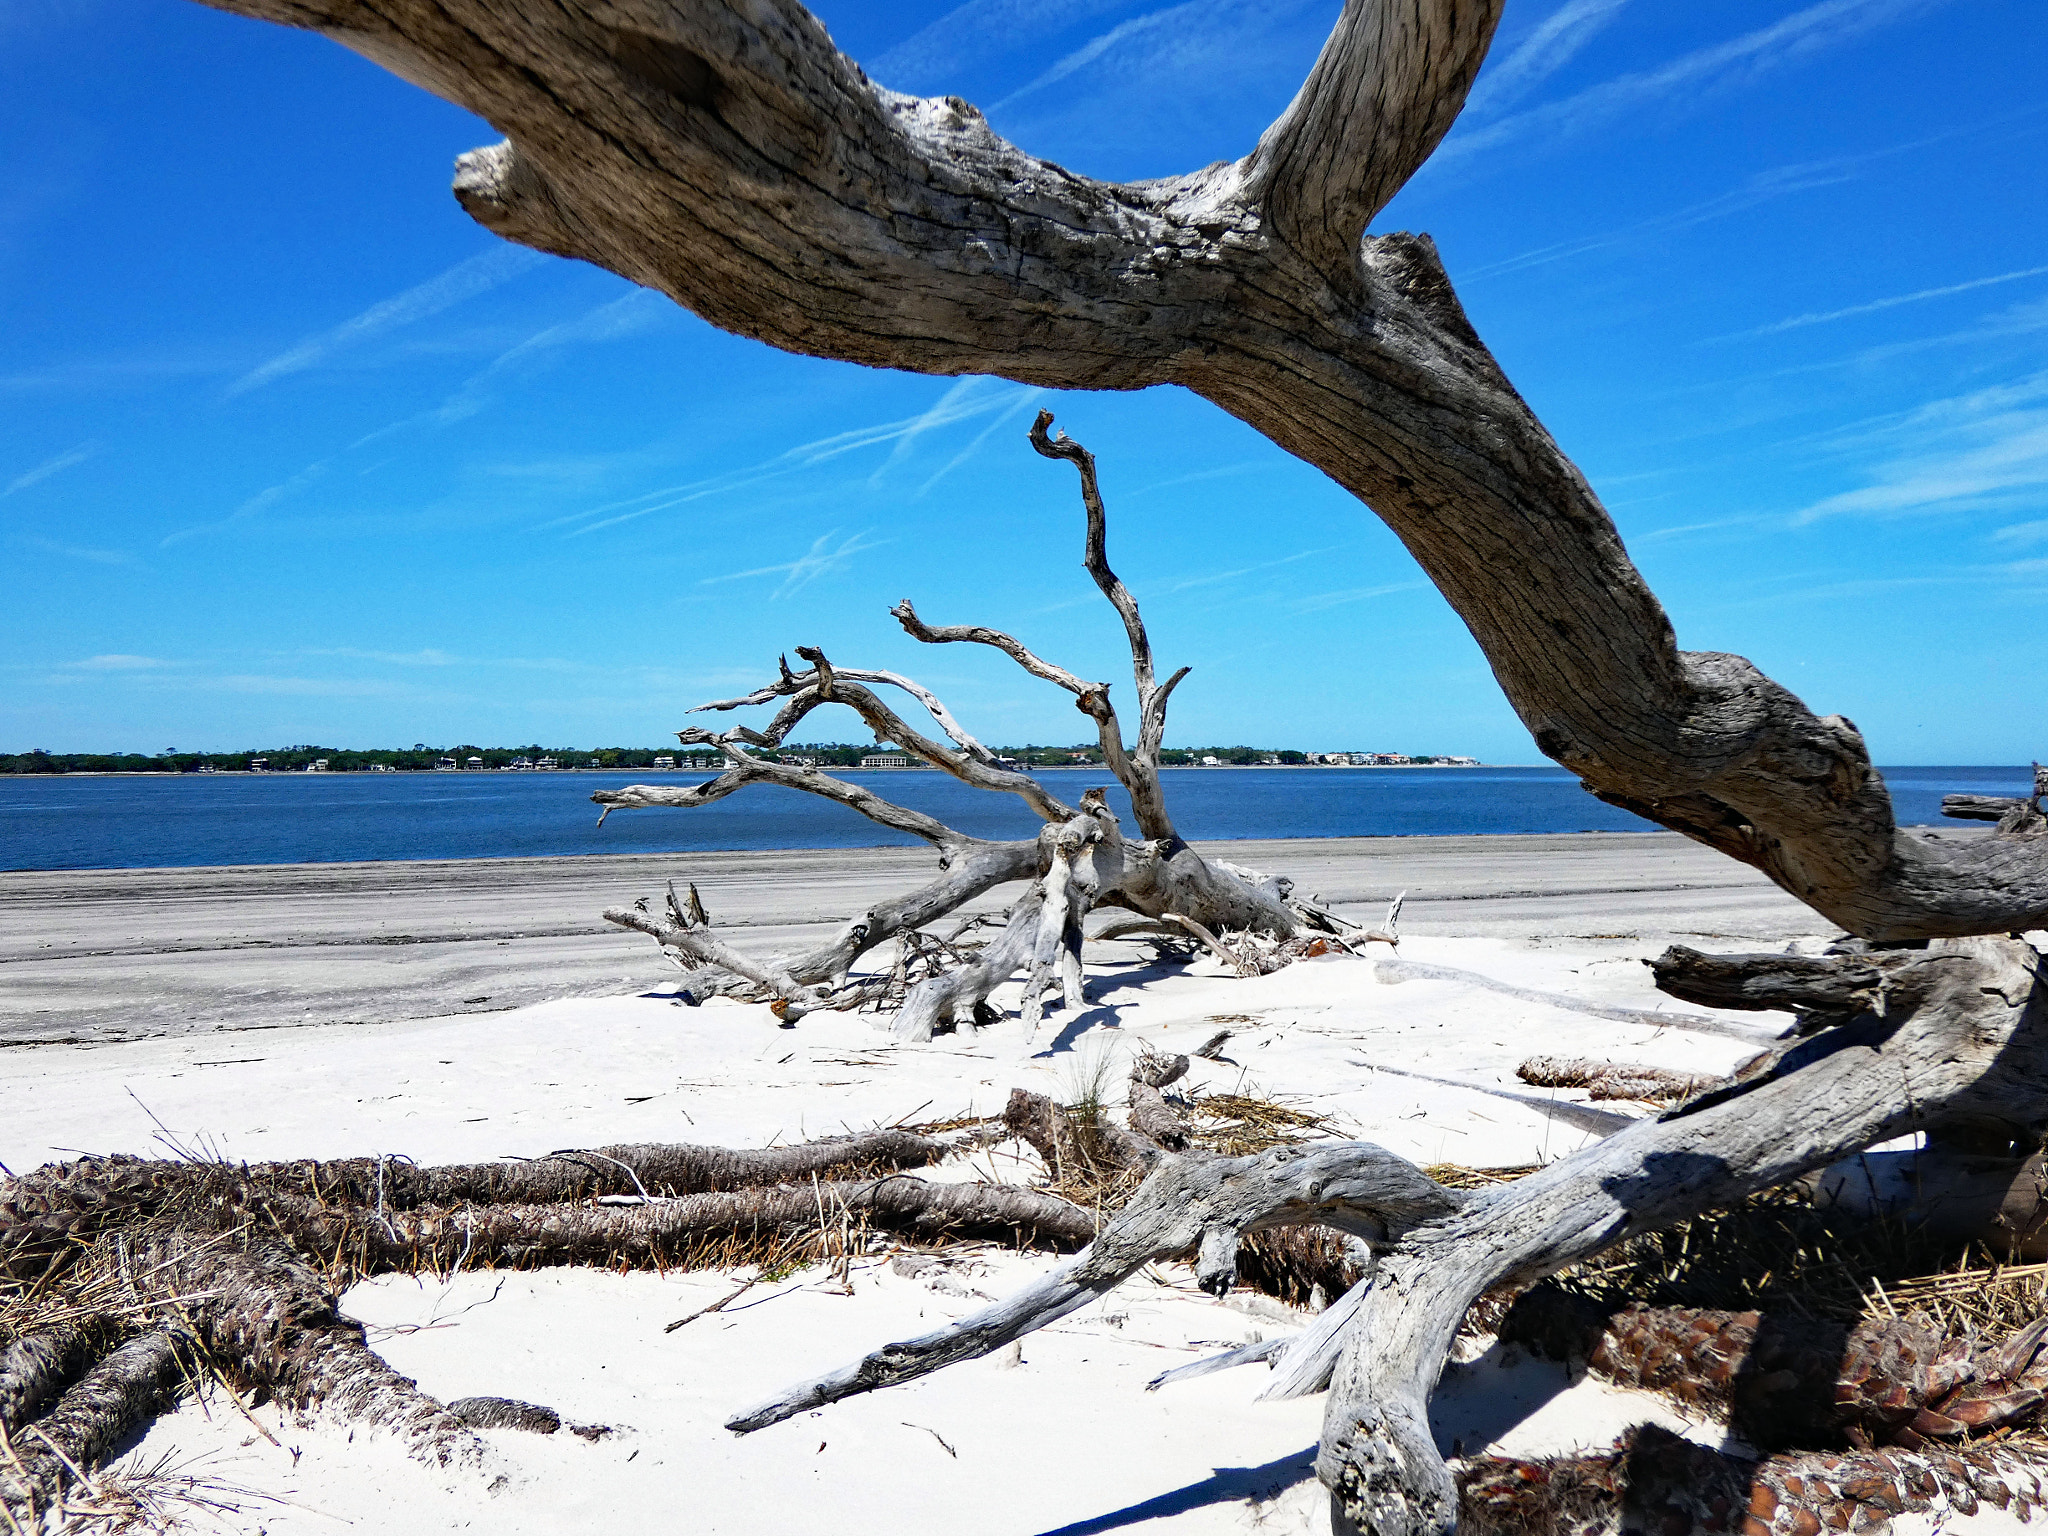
729 156
1080 861
1966 1029
1612 1079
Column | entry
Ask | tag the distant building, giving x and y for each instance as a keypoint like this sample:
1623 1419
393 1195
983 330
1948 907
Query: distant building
797 762
259 765
1211 762
474 763
664 762
548 764
886 760
382 768
318 765
446 765
522 764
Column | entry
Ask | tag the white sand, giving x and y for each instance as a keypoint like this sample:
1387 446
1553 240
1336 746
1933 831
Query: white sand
1067 1440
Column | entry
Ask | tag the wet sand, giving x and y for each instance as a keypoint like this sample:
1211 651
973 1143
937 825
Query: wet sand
100 956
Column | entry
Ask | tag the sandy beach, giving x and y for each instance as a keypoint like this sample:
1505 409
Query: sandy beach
103 955
480 1010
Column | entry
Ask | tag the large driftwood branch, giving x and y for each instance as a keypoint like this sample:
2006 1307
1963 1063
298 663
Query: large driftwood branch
732 158
1964 1041
1390 82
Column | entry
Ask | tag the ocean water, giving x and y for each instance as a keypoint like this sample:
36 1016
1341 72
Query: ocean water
156 821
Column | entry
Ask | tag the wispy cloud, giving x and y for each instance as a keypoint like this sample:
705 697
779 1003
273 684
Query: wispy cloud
1097 46
1762 187
804 456
1316 602
94 374
80 552
257 504
973 33
1918 296
953 405
464 280
1547 48
116 662
631 314
2024 533
1801 35
2025 580
1023 401
55 465
1986 450
821 559
1216 578
422 658
628 315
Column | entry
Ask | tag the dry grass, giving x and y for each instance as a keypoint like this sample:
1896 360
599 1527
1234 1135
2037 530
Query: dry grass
1237 1125
159 1498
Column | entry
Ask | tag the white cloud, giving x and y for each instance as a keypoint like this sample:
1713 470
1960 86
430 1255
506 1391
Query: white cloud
1984 451
1542 53
1824 317
1316 602
1801 35
55 465
979 30
821 559
1023 401
421 658
632 313
949 407
81 552
464 280
804 456
116 662
2024 533
1096 47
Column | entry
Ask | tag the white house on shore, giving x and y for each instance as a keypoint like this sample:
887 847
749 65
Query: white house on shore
887 760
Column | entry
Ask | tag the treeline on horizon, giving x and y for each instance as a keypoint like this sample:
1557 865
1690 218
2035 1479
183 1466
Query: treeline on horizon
422 758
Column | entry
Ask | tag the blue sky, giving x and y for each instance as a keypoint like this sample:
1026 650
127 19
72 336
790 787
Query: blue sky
290 450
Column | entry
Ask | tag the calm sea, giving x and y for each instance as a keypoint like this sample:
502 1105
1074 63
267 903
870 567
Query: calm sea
148 821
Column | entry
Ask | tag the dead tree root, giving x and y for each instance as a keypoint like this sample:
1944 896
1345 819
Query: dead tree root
124 1280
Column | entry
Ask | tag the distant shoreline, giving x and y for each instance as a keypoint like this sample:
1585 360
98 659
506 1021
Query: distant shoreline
364 773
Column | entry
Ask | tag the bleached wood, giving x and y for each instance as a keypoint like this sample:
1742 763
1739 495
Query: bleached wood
1354 1186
